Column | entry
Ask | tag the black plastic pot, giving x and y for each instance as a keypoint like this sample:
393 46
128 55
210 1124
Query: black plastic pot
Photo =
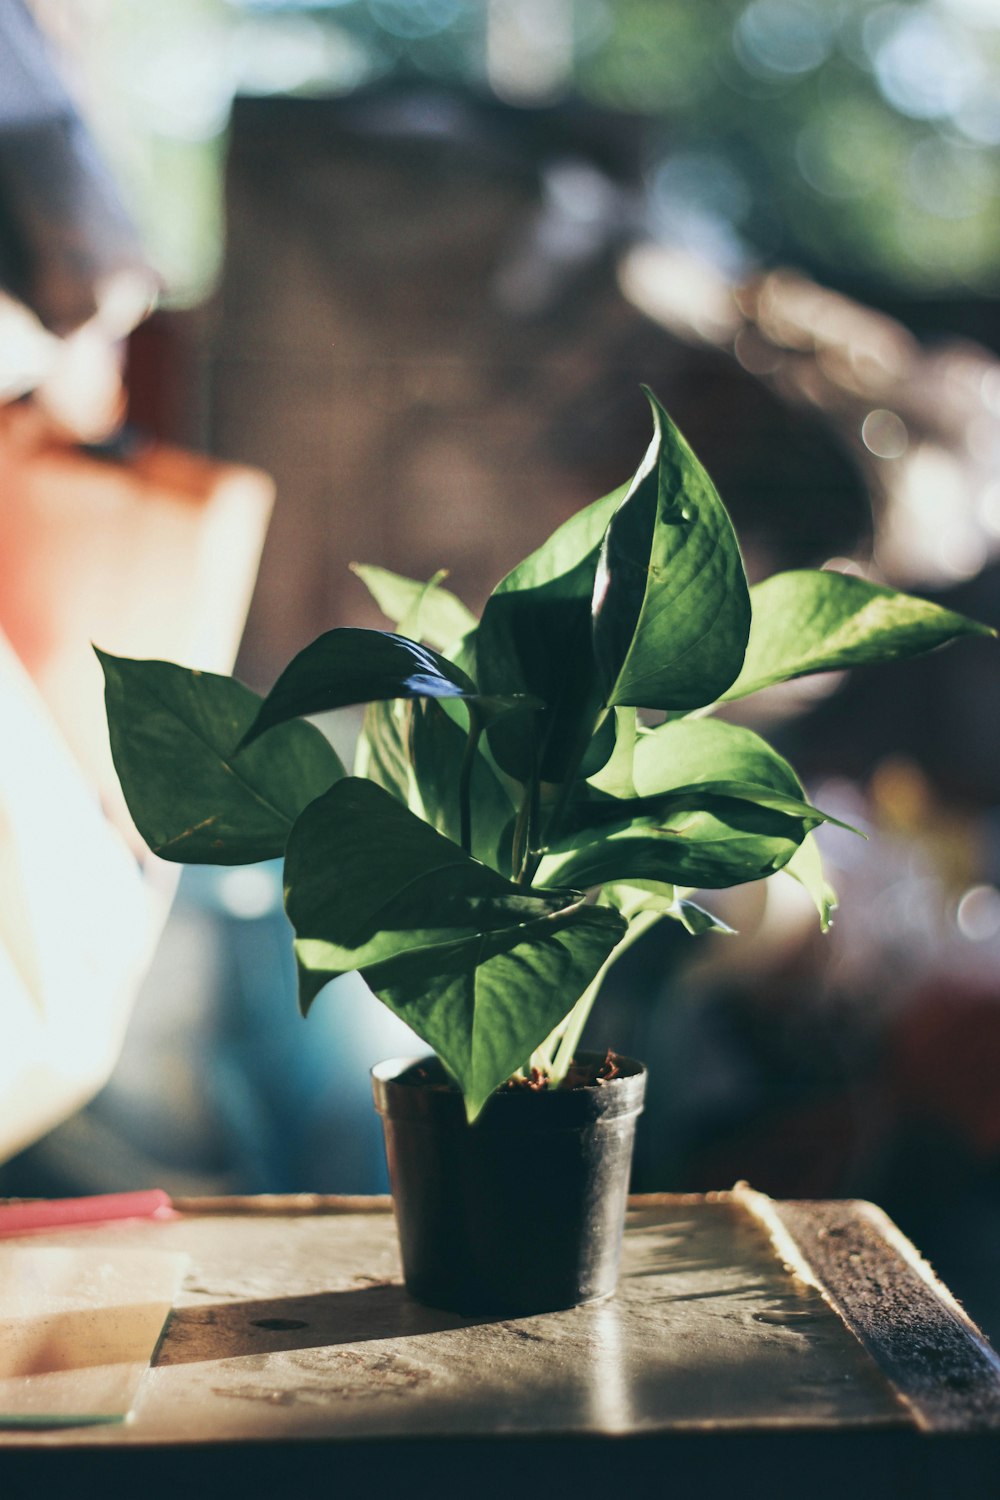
522 1211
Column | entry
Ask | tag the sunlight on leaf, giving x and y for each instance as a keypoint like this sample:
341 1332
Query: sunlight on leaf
807 621
228 807
671 608
422 611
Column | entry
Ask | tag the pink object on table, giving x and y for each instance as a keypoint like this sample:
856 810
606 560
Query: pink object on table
62 1213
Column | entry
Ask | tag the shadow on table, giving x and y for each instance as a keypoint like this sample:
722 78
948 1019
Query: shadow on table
229 1330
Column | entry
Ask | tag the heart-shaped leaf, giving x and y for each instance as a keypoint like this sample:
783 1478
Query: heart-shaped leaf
194 797
481 968
671 606
685 752
422 611
715 806
724 842
535 637
373 881
598 814
485 1011
807 621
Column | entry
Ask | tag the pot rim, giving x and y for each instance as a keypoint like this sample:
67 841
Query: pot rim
511 1109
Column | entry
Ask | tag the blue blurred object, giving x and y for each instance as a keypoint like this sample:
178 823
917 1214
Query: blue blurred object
222 1086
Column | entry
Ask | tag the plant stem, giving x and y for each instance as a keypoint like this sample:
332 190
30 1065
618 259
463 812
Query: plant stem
571 1029
519 848
527 820
465 779
566 789
529 861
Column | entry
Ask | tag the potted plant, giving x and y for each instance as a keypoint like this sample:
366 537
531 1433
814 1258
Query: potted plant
514 821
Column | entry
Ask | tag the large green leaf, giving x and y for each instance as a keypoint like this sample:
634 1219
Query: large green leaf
597 814
372 881
671 605
193 797
715 805
485 1011
422 611
726 841
535 637
687 751
348 666
808 621
481 968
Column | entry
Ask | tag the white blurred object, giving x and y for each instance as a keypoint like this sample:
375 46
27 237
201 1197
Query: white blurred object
78 920
151 555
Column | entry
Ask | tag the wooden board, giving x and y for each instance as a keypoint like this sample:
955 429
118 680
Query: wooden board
736 1319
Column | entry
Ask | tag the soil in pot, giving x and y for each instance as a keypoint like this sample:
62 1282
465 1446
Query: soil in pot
522 1211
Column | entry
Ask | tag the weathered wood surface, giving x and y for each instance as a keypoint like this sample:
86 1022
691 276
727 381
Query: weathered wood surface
921 1338
293 1324
735 1359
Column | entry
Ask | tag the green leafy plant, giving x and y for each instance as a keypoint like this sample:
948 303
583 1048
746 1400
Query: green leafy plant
513 823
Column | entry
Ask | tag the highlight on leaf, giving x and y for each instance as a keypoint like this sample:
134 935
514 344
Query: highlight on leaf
805 622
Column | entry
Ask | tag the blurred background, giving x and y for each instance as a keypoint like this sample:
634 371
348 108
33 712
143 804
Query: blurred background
412 258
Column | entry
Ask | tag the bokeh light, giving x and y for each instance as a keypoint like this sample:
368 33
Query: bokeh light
849 138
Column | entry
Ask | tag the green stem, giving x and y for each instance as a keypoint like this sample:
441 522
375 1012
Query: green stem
570 1030
566 789
527 818
465 779
529 861
520 845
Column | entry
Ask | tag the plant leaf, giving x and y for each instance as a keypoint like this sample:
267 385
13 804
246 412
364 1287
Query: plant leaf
597 813
722 843
630 898
372 880
195 799
381 754
485 1013
481 968
615 776
535 637
653 896
422 611
347 666
698 920
716 806
685 752
819 621
671 606
806 866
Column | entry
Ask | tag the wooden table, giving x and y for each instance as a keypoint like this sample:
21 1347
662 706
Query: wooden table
753 1347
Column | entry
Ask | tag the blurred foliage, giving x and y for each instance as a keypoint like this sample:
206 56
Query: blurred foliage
856 138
